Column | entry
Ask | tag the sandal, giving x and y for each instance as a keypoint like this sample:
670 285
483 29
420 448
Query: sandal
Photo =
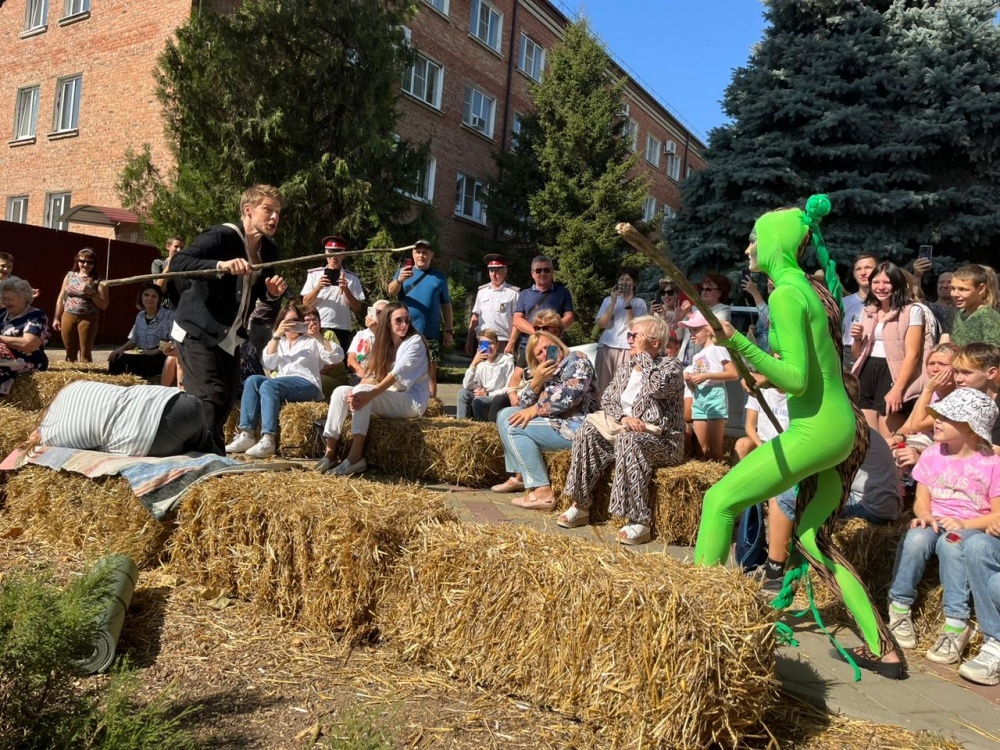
534 503
633 534
574 517
865 658
513 484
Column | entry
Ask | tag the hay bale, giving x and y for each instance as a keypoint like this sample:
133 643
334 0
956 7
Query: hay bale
62 364
435 407
650 651
17 425
76 513
295 423
36 390
317 549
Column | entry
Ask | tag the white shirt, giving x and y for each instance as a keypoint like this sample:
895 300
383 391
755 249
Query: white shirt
495 309
615 335
878 348
778 401
853 307
361 344
631 393
711 359
411 369
334 312
303 358
493 376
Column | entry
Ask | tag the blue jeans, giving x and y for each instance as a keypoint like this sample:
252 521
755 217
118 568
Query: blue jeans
911 559
982 556
468 402
262 397
523 446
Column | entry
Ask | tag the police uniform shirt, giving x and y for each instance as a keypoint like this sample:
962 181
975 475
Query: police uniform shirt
334 312
495 309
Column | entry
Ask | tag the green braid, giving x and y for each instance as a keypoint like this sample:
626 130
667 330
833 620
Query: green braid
817 207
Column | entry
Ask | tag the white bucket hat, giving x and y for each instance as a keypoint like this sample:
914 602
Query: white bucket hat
970 406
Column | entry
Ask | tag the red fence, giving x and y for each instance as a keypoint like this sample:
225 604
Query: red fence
43 256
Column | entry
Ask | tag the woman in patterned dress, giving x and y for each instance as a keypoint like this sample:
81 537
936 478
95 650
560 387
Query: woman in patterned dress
640 427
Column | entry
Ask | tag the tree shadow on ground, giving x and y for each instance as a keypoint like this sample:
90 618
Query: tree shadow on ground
142 633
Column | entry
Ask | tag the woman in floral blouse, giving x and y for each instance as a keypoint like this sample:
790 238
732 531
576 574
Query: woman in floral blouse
24 331
555 399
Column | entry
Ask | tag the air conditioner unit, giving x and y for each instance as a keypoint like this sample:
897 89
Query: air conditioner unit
477 122
669 147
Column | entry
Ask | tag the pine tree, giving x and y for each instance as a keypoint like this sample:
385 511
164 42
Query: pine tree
569 181
300 95
891 107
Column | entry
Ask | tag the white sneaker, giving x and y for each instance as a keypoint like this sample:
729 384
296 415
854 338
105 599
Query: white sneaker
948 648
346 468
323 465
241 443
985 668
901 626
265 448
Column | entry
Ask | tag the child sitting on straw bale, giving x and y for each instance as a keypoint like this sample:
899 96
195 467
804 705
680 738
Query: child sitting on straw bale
485 380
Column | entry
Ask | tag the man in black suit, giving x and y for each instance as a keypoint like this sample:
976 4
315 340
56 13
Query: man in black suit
211 316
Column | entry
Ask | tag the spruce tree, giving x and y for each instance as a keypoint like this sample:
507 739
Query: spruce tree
301 95
890 107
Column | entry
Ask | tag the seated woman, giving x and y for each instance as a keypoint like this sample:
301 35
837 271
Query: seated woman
485 380
296 353
640 427
24 331
396 386
554 402
141 355
137 420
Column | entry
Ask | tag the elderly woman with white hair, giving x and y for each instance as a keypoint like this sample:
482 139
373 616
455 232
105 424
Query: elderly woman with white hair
639 428
24 331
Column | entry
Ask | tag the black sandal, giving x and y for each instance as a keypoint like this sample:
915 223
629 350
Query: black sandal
866 659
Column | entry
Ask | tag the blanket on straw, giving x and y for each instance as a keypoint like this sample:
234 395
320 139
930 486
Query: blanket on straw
158 483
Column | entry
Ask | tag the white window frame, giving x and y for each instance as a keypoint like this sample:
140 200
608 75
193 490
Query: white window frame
17 209
421 85
68 87
441 6
668 214
673 161
424 191
652 149
531 59
689 171
631 133
649 209
478 110
36 15
76 8
490 31
26 113
60 201
515 130
469 193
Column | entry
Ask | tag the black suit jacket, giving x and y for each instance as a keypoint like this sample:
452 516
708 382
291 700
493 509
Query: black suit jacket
208 308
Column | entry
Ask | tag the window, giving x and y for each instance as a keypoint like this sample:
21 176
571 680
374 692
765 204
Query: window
631 134
35 13
26 113
648 209
673 161
668 214
76 7
67 115
477 111
424 190
439 5
515 132
689 171
17 209
469 193
56 204
652 150
532 58
424 80
486 24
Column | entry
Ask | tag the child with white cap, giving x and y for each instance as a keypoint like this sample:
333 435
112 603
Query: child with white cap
958 497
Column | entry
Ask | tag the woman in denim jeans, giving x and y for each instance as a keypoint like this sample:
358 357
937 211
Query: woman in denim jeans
560 393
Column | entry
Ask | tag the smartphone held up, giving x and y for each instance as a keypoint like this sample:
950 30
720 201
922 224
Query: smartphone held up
926 252
552 353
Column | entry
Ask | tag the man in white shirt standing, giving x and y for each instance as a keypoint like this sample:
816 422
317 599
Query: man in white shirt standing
335 291
854 304
494 308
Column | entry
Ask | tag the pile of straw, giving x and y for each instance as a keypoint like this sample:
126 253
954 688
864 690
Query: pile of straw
675 494
17 424
435 407
315 548
650 651
75 513
36 390
298 436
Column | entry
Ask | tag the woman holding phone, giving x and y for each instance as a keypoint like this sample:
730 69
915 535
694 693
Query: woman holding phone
296 353
555 399
615 316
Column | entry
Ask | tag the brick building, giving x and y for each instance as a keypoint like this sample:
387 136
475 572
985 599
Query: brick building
77 91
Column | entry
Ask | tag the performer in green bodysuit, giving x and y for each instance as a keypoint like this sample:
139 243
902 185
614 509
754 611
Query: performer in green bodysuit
826 439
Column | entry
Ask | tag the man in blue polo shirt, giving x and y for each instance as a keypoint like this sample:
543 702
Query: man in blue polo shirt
544 294
424 291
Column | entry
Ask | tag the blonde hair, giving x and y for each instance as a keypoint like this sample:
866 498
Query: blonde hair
533 341
254 195
981 276
490 335
977 356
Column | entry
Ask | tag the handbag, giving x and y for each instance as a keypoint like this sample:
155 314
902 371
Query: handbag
751 541
610 429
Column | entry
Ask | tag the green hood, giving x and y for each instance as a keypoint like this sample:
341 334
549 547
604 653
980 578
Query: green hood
779 235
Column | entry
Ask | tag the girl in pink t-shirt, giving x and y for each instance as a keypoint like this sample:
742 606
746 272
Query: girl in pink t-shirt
958 494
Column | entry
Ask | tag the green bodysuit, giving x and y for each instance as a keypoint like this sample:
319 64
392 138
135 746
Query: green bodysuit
823 424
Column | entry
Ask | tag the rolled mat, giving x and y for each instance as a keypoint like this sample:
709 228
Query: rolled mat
119 576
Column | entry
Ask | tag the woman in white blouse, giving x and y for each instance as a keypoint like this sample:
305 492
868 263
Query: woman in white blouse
396 386
296 354
615 318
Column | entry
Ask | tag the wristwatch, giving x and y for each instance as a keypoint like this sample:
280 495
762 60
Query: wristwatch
275 336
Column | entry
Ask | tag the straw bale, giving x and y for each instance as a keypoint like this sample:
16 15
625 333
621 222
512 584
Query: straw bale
76 513
651 651
295 423
17 424
435 407
675 493
36 390
62 364
314 548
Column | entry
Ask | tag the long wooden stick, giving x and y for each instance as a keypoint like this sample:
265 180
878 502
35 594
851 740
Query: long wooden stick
643 244
283 262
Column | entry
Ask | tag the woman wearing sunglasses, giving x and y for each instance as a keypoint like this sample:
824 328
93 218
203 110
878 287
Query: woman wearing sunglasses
396 386
82 296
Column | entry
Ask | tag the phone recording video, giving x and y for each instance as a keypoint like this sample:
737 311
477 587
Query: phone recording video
484 346
552 353
299 326
926 252
333 274
407 262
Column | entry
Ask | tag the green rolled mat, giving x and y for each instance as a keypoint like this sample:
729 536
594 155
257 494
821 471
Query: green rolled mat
120 577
